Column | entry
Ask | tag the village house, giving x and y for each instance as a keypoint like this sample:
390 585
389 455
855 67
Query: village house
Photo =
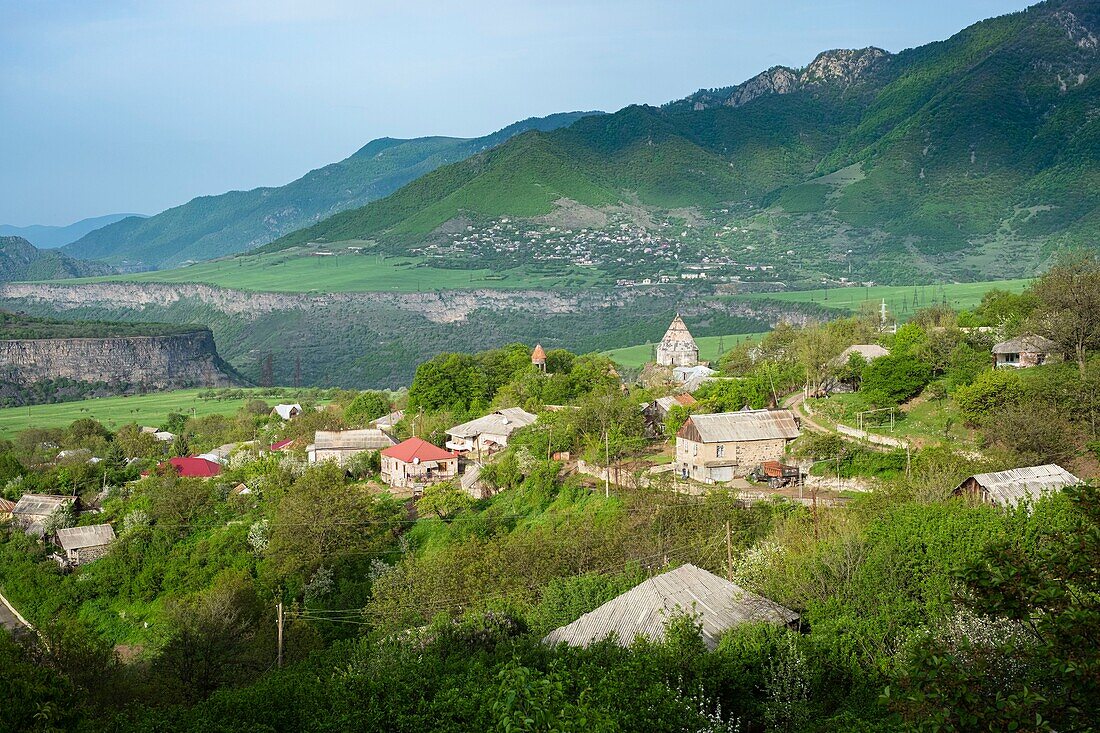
192 467
162 435
32 510
655 412
1024 351
84 544
728 445
490 433
282 446
869 352
644 611
342 445
1009 488
415 463
677 348
387 423
287 412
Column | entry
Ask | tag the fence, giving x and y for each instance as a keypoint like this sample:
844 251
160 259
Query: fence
875 438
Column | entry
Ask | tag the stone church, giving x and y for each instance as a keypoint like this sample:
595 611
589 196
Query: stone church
677 348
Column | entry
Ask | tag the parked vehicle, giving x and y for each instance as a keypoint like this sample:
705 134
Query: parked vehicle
776 474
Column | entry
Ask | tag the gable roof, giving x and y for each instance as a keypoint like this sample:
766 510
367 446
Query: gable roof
677 337
76 538
1009 488
645 609
417 450
386 422
40 504
282 444
538 356
1027 343
745 425
365 439
869 352
501 422
6 505
286 412
195 467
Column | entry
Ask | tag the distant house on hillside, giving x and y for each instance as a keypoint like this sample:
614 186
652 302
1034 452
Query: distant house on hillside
162 435
342 445
677 348
282 445
32 510
489 433
387 423
693 377
416 463
287 412
656 411
1024 351
192 467
869 352
1009 488
728 445
84 544
645 610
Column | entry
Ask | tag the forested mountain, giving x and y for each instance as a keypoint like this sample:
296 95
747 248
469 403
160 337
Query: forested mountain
959 157
214 226
20 260
48 237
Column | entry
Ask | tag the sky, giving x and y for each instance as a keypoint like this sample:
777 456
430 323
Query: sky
136 106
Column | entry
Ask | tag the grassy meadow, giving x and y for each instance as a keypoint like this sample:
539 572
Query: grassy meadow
115 412
902 300
299 271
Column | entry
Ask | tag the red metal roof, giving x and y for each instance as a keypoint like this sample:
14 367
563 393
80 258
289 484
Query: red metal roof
413 448
282 444
192 467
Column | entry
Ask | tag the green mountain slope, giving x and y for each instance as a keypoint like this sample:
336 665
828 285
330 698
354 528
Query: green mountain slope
214 226
975 156
20 260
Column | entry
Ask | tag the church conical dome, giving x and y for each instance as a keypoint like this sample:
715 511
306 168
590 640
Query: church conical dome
678 348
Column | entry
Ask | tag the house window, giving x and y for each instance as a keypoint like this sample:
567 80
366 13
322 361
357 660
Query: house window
694 449
1011 358
720 451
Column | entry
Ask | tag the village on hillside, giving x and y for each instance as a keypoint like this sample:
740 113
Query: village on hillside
559 498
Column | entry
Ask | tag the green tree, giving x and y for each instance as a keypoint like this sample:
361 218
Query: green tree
993 390
366 406
890 380
444 499
1068 310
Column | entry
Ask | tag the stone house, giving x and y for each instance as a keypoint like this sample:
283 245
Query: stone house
677 348
32 510
85 544
655 412
1024 351
728 445
342 445
489 433
415 463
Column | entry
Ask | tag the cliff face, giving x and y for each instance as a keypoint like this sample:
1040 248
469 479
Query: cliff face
125 364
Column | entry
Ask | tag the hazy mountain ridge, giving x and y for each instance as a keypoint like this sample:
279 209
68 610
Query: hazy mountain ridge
47 237
213 226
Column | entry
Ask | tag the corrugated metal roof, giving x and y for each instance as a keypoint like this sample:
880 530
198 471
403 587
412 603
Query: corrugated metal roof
76 538
645 609
1025 344
40 504
365 439
745 425
1008 488
501 422
6 505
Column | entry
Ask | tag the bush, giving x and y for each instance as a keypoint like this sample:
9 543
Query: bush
891 380
991 391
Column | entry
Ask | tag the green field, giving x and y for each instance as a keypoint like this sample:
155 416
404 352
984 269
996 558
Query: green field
902 300
299 271
115 412
636 356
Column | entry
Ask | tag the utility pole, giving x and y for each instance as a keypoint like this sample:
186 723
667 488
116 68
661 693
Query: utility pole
729 554
279 624
607 467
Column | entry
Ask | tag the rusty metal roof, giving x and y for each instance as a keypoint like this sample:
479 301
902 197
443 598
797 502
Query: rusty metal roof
644 610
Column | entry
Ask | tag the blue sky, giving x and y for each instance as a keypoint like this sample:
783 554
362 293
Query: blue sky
132 105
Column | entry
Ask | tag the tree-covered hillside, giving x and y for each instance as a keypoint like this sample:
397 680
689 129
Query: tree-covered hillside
214 226
978 153
21 260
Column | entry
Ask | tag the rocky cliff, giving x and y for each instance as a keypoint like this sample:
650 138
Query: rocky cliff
124 364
